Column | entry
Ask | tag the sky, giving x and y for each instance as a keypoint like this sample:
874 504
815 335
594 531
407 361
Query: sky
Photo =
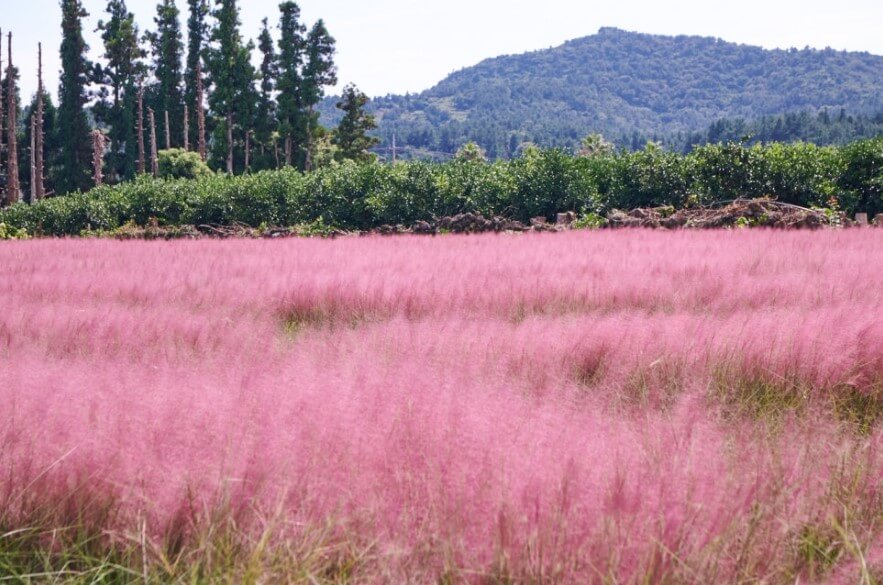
398 46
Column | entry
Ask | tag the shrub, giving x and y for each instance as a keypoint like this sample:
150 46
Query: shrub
539 183
861 181
9 233
177 163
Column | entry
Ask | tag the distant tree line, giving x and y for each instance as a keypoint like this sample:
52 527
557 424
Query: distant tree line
441 142
152 96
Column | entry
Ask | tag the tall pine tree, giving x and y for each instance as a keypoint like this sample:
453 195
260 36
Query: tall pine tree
120 75
166 95
13 115
76 151
232 75
351 136
319 72
197 32
265 118
290 104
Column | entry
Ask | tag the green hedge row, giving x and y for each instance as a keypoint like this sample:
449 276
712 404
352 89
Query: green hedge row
542 182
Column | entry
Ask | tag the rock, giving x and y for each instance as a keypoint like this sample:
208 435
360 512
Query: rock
861 219
422 227
565 219
388 230
878 220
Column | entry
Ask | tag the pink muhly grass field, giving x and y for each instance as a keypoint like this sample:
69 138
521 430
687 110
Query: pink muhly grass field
610 407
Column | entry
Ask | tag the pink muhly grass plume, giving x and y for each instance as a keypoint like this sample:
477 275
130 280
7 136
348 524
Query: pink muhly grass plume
587 406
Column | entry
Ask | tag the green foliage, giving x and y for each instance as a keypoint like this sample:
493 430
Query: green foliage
861 181
350 195
166 95
120 76
471 152
351 136
316 228
289 80
178 163
549 181
9 233
233 96
197 32
595 145
265 115
76 155
652 177
589 221
723 172
817 127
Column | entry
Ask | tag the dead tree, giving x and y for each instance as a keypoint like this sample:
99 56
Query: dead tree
168 132
3 199
13 185
142 165
34 157
229 143
247 149
154 161
200 111
186 128
37 133
98 145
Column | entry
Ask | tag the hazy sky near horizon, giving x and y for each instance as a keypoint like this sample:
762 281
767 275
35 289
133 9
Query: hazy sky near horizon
398 46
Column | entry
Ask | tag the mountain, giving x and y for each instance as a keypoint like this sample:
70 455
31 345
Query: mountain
628 86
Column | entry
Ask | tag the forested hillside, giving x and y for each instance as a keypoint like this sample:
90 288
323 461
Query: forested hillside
630 87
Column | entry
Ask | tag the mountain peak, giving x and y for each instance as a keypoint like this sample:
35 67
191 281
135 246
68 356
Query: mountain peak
623 84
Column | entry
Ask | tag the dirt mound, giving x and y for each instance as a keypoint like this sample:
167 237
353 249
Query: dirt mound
739 213
468 223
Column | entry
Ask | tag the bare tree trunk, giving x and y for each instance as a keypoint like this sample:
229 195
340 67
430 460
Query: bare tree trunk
186 128
288 149
168 132
276 151
230 143
98 145
247 149
34 157
3 195
154 162
308 160
142 164
37 177
14 188
200 111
